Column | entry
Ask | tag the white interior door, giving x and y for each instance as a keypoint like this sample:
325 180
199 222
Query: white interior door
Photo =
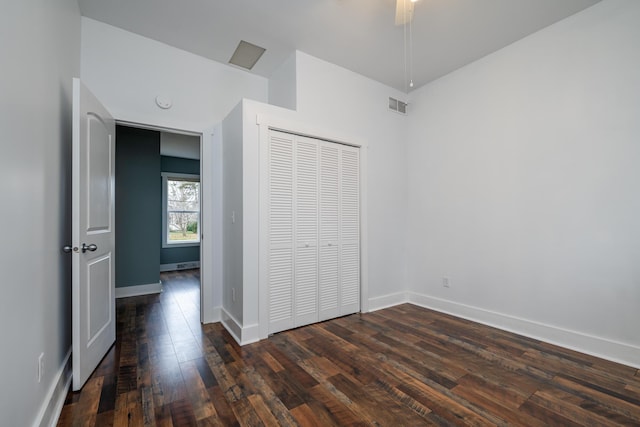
93 287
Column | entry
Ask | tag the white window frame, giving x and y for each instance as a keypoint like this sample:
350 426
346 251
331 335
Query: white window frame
166 176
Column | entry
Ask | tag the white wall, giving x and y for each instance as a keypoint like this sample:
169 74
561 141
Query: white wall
523 185
232 214
334 103
516 181
335 98
282 84
127 71
251 191
40 51
241 194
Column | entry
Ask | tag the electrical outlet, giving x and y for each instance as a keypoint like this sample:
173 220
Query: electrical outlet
446 282
40 367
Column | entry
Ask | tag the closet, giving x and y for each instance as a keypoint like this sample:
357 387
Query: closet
313 230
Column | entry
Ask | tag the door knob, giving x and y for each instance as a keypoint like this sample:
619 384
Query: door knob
67 249
90 247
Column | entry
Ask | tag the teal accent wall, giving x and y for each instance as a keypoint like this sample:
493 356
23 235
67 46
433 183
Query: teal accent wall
187 253
179 165
138 207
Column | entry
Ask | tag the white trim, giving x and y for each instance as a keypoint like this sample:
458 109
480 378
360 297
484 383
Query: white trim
306 129
211 224
386 301
364 227
134 291
174 266
159 128
250 334
211 268
607 349
52 406
231 325
263 246
265 123
603 348
242 334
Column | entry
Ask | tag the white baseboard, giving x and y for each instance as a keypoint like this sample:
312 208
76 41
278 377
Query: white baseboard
54 401
179 266
603 348
231 325
250 334
242 334
385 301
134 291
596 346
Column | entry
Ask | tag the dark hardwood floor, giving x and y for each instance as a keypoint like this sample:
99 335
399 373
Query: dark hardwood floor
402 366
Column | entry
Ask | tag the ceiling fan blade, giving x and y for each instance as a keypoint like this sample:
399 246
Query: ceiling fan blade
404 11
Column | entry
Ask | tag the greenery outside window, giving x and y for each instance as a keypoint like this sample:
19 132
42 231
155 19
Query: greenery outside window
181 210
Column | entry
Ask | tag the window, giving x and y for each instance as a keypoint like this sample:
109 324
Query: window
181 213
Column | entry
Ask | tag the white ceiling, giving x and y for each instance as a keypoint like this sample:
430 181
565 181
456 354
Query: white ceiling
359 35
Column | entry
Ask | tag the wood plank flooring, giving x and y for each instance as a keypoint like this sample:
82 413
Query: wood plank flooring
402 366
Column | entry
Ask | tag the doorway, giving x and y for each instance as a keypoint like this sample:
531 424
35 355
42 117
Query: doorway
148 241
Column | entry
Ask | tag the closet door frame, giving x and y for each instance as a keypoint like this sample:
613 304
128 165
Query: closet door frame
265 124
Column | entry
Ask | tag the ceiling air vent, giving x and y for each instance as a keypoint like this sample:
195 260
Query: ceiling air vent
246 55
397 106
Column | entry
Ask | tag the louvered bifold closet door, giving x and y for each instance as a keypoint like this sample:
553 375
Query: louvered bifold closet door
329 270
313 230
306 231
280 232
349 230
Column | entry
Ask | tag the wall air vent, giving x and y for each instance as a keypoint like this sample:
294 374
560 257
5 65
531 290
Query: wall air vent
397 106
